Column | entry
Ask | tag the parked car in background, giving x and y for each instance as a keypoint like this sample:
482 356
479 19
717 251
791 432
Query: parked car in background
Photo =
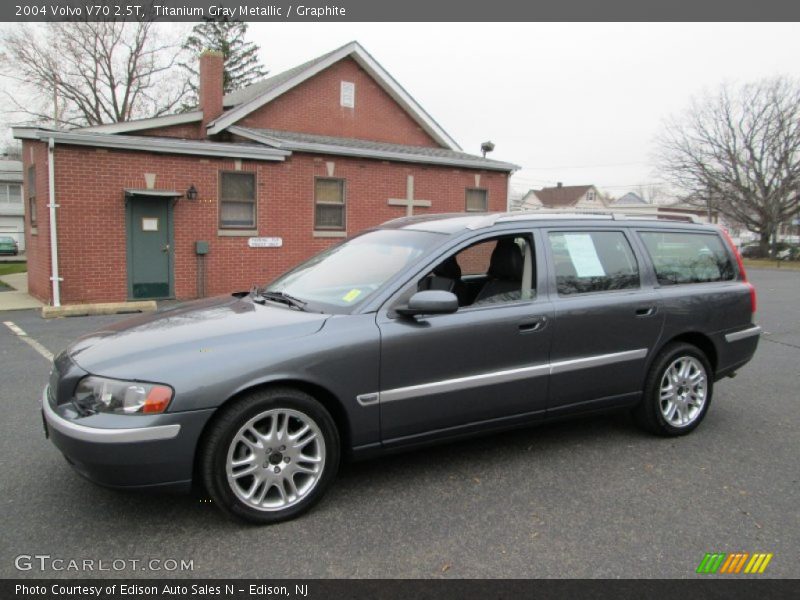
789 253
783 251
423 330
8 245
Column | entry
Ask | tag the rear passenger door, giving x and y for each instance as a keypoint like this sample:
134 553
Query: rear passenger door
608 318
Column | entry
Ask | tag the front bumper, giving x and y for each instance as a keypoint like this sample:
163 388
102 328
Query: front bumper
158 450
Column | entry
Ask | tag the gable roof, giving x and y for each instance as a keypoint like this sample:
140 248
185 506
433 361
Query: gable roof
325 144
630 198
564 195
258 94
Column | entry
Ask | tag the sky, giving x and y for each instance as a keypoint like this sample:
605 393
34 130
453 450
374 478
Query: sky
578 103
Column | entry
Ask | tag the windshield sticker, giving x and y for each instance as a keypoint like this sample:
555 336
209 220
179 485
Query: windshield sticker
584 255
351 295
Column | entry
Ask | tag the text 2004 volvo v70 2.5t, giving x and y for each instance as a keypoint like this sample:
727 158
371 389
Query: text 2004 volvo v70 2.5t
424 329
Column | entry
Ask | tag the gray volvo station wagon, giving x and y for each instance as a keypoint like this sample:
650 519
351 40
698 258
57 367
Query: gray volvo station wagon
424 329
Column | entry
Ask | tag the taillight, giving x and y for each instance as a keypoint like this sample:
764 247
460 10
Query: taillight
740 264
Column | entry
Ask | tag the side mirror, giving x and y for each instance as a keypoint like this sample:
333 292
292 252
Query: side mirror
430 302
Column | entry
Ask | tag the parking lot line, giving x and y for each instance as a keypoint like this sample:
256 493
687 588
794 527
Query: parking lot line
29 340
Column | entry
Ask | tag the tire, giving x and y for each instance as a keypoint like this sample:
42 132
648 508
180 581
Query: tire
278 445
685 403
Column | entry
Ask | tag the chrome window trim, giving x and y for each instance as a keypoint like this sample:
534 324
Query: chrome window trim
504 376
744 334
105 436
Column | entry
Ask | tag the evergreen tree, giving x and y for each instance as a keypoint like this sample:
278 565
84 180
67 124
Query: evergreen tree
242 66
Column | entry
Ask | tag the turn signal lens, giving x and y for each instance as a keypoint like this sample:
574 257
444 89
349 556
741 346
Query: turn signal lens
157 400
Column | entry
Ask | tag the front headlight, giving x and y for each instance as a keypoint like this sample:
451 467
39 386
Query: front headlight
98 394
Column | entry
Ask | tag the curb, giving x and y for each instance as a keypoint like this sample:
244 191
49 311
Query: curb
106 308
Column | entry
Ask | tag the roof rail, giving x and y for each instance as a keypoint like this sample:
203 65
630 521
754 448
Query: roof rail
659 216
521 215
598 214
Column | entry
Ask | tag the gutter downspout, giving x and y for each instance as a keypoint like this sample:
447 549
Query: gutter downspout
51 173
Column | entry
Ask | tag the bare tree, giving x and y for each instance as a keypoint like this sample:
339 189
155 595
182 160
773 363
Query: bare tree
89 73
738 152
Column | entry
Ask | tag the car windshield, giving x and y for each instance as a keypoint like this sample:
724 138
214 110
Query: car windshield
344 276
6 240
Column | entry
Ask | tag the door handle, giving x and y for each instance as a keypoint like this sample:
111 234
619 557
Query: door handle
645 311
165 248
531 325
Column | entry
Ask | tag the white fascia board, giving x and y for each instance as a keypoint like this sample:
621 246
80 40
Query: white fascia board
166 121
402 97
158 145
256 137
369 64
25 133
317 148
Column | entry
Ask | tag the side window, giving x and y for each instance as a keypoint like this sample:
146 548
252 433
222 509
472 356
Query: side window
493 271
688 257
237 200
593 261
329 204
477 200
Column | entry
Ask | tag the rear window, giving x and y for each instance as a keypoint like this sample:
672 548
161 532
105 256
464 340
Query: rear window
688 257
593 261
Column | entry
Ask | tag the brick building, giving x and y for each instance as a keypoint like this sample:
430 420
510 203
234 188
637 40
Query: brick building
236 192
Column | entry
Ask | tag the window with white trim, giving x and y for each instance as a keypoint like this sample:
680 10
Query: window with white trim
329 204
237 200
10 193
347 95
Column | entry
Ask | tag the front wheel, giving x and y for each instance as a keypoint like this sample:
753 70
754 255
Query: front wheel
677 391
270 455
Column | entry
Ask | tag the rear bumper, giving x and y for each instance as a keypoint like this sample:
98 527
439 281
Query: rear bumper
736 349
158 451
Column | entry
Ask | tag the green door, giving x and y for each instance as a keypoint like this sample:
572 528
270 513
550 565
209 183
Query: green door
149 247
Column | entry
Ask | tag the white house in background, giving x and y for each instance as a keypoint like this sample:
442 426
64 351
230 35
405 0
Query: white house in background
12 208
630 199
563 197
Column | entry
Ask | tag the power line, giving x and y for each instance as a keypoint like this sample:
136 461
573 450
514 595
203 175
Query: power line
603 166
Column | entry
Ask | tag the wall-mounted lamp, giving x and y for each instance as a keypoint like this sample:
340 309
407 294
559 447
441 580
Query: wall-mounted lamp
191 193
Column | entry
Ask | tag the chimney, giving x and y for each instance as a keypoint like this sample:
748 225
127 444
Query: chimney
211 78
559 184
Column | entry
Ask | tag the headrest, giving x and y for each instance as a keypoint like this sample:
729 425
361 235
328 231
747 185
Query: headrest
506 261
448 269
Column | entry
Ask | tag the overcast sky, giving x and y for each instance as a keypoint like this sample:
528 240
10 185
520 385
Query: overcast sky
577 103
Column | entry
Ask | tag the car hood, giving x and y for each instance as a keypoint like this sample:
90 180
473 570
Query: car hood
146 345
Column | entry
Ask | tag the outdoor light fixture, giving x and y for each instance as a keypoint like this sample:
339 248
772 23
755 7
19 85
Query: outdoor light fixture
191 193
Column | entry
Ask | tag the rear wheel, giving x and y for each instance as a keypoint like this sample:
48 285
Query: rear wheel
677 391
270 455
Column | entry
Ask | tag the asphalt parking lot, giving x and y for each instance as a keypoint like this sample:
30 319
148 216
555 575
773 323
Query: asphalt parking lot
588 498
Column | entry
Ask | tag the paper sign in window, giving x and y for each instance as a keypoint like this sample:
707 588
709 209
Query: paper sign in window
584 255
150 224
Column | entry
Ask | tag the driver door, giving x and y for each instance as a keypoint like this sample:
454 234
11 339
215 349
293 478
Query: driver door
484 365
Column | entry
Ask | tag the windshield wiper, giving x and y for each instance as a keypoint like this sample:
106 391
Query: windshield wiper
261 295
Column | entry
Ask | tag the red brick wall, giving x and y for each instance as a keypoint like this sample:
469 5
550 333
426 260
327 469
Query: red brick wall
188 131
314 107
37 244
91 220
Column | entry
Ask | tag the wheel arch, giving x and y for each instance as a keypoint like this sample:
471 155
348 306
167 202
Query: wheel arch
700 340
319 392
